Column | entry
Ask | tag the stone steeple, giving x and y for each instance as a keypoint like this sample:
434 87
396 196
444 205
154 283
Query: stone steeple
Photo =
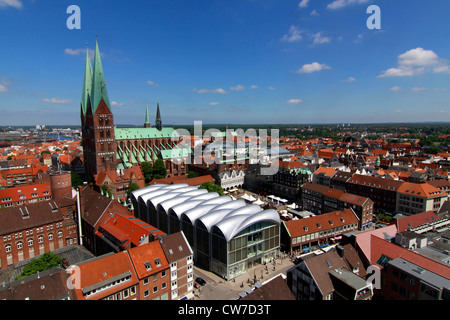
147 123
158 122
98 91
87 84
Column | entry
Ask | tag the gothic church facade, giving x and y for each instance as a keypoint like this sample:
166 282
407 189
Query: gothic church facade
115 152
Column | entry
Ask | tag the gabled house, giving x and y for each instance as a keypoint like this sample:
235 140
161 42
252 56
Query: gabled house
330 276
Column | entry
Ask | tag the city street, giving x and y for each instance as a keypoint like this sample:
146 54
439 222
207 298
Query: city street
218 289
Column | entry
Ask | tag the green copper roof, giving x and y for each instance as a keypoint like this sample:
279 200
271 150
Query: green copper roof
144 133
147 117
174 153
98 90
87 84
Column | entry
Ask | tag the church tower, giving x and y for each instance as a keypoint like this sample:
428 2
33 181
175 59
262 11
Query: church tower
99 145
147 123
158 122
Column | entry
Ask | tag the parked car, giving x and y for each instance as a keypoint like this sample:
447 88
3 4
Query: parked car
200 281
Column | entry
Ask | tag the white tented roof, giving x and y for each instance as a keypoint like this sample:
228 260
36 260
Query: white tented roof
232 225
228 215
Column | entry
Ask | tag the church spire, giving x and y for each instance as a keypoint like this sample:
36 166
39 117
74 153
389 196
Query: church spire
147 123
98 91
158 121
87 84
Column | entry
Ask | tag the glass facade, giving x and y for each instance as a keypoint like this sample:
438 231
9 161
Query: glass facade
256 244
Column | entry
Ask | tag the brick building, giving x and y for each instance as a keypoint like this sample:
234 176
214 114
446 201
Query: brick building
383 192
33 229
180 258
322 199
25 194
335 275
106 148
305 234
95 210
152 270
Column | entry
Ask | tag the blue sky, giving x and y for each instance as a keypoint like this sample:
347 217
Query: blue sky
229 61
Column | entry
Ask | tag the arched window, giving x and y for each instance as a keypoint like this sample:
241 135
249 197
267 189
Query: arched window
19 245
8 248
50 236
40 239
60 234
30 242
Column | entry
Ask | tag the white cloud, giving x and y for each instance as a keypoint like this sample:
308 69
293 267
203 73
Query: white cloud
303 4
152 83
213 103
319 39
338 4
399 110
416 89
115 103
81 51
3 83
239 87
395 88
293 35
294 101
254 86
218 90
416 61
314 13
350 79
11 3
313 67
271 88
56 100
359 38
418 57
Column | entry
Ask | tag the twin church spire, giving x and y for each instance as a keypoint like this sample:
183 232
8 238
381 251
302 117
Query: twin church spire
94 85
94 89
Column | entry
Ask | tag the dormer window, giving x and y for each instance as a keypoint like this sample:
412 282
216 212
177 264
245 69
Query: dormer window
158 262
148 265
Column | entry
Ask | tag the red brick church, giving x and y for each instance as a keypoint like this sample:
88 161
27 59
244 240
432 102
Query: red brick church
112 156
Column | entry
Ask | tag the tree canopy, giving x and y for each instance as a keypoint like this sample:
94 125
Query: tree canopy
47 261
156 171
212 187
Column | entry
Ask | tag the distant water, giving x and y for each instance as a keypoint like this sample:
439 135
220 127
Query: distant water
57 137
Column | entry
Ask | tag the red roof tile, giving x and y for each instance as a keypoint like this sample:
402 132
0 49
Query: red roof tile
380 246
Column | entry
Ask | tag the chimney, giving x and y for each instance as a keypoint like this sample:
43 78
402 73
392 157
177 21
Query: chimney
340 251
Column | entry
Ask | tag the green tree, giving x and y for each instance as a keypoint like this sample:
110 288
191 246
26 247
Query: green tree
159 169
45 151
132 187
147 171
76 180
193 174
106 190
47 261
212 187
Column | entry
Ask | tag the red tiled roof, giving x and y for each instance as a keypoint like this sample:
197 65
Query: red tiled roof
321 222
128 229
380 246
184 179
420 190
415 220
27 190
148 253
325 170
95 272
375 182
